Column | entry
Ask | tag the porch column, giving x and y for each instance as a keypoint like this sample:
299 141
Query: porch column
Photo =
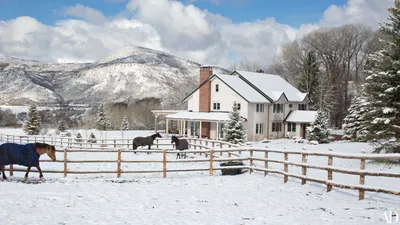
200 130
217 130
184 128
166 126
155 122
180 127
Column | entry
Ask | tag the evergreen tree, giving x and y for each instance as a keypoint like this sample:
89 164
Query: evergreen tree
92 138
125 123
234 130
318 131
352 123
61 126
78 137
102 122
382 87
309 79
32 125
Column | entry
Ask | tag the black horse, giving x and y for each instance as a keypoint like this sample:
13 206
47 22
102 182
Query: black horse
180 144
143 141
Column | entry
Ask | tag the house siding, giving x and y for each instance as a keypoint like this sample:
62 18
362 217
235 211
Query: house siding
226 97
193 101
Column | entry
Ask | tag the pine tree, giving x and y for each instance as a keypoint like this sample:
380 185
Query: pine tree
309 79
32 125
318 131
92 138
234 131
352 123
61 126
125 123
382 87
78 137
102 119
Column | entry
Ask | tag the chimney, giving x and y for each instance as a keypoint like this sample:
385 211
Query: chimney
205 90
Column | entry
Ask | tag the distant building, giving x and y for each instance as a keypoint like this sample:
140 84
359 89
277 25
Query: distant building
270 107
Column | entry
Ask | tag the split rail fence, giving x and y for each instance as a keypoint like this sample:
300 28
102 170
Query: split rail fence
230 153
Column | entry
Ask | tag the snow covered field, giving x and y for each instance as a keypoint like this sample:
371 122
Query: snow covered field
194 197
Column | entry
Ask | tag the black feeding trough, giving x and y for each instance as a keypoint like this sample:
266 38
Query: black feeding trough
231 171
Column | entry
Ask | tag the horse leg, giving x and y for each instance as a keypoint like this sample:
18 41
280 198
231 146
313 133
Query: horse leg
3 172
27 172
149 149
40 172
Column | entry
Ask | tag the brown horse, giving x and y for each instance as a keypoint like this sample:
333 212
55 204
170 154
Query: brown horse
180 144
25 155
143 141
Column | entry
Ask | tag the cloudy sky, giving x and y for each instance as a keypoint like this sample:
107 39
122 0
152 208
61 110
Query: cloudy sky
217 32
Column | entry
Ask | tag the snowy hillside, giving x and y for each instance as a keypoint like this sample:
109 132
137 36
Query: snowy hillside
128 74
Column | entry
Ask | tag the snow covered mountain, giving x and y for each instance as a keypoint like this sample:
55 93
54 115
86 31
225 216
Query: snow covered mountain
129 74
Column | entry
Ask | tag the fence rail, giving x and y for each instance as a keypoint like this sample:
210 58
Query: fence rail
233 153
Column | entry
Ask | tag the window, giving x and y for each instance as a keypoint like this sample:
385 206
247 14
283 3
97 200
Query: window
302 106
276 127
291 127
278 108
259 107
216 106
216 87
259 128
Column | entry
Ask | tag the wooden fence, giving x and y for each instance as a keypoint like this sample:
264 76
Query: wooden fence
236 153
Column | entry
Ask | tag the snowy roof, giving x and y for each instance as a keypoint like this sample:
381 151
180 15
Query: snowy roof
301 116
273 86
204 116
242 88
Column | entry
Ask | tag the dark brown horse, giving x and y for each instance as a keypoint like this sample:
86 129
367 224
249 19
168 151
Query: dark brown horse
180 144
25 155
143 141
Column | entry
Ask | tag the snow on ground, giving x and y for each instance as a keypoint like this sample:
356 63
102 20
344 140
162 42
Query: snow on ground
244 199
194 197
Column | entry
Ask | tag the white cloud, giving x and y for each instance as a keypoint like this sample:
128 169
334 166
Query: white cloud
171 26
86 13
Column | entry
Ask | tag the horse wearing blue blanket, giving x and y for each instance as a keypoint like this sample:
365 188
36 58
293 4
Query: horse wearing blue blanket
25 155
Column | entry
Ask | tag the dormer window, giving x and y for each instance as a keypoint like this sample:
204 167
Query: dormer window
278 108
216 87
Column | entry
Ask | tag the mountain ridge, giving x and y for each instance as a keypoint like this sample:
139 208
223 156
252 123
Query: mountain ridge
129 74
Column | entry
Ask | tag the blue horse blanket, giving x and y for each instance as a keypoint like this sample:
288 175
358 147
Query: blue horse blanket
24 155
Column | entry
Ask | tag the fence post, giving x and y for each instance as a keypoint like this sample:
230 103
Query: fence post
44 141
11 169
119 164
13 139
362 180
285 167
329 187
7 138
266 163
157 143
251 162
211 161
65 162
164 163
35 139
128 142
303 168
220 153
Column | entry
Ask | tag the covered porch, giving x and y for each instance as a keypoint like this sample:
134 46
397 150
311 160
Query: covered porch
160 113
199 124
297 121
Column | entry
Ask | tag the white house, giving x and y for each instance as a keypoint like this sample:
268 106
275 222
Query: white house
270 107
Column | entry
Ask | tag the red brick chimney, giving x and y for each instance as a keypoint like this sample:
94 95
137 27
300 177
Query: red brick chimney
205 90
205 98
